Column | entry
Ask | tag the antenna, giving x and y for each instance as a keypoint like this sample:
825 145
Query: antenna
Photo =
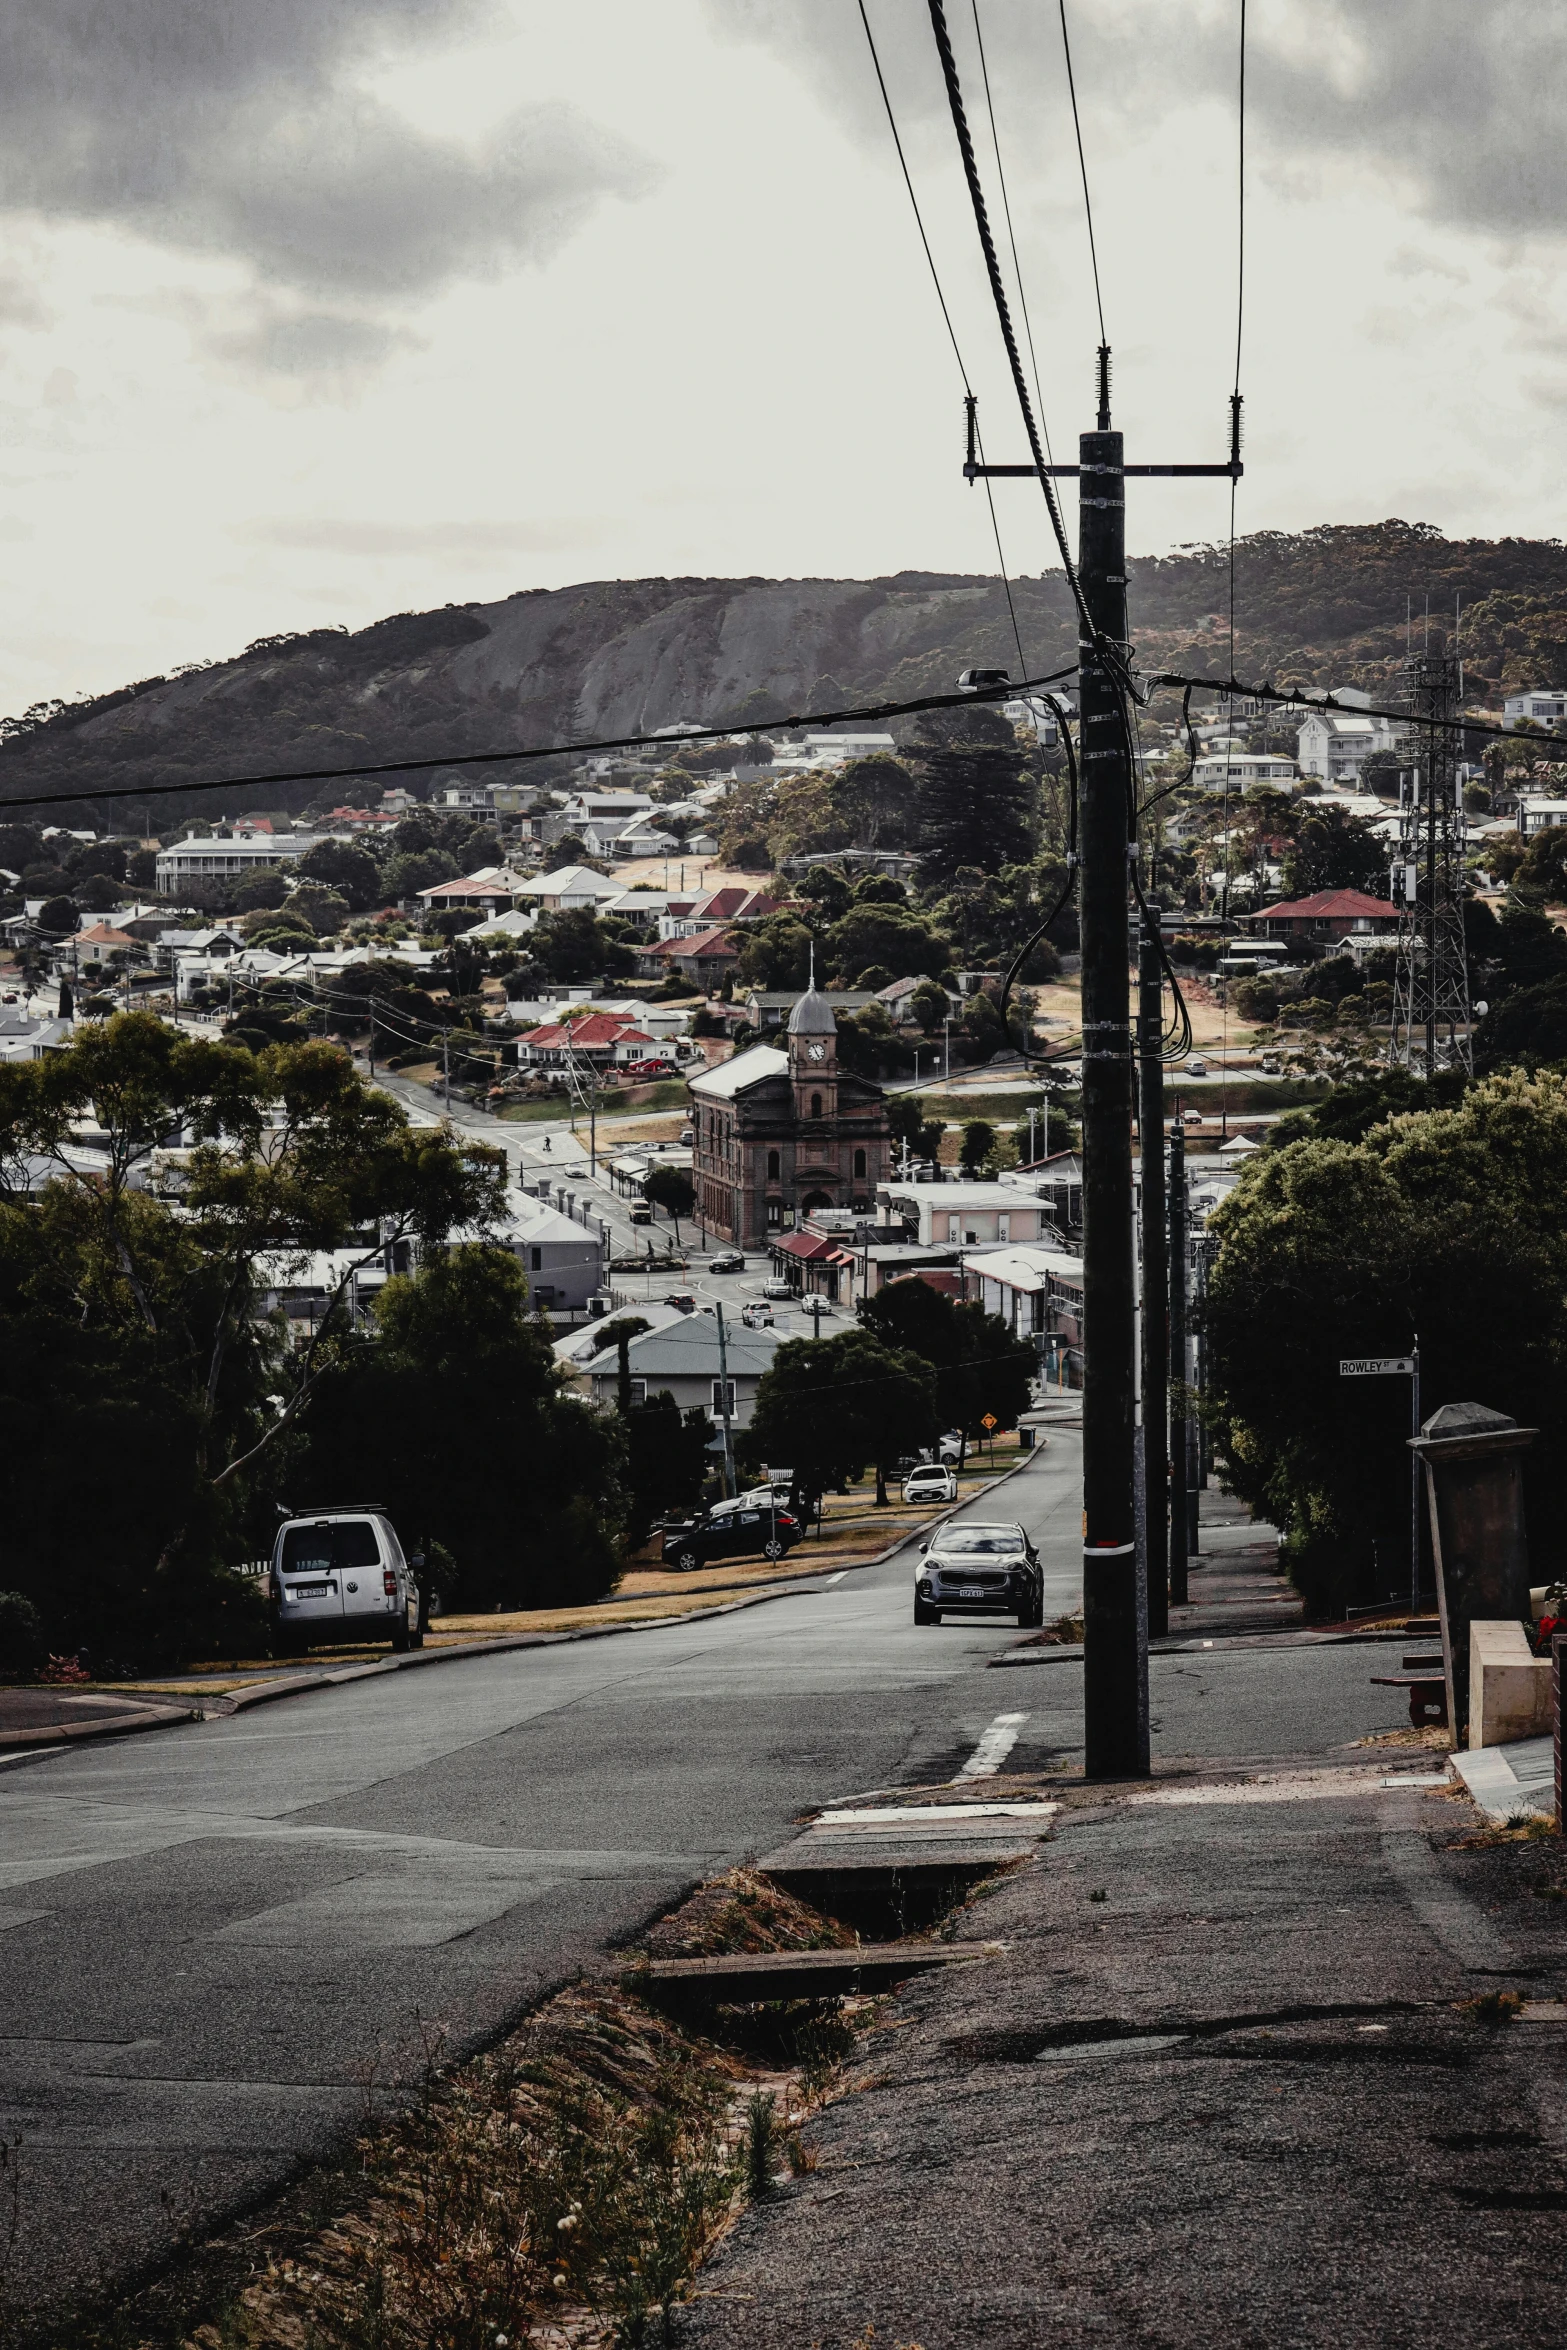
1104 387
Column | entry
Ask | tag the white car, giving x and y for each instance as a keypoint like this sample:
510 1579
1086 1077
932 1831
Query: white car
339 1573
933 1481
777 1288
1196 1068
757 1317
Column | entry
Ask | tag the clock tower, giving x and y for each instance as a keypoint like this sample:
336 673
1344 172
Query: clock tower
813 1065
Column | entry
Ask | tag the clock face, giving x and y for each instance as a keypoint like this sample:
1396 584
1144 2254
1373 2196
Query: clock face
816 1052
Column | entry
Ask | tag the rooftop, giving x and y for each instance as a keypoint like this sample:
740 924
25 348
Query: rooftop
747 1068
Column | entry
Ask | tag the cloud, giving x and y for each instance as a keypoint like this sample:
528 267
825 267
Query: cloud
346 536
1461 105
237 127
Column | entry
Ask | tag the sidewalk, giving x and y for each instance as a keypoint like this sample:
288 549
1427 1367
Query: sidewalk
1218 2083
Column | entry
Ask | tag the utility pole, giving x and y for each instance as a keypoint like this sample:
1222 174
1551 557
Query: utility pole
723 1406
1115 1652
1179 1433
446 1070
1115 1648
1156 1288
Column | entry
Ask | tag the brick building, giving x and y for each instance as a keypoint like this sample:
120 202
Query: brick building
780 1133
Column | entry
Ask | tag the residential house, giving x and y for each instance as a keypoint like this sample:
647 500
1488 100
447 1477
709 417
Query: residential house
706 960
1326 914
494 889
1241 771
1335 744
27 1036
1545 704
682 1357
1538 812
1038 1293
563 1258
601 1041
693 912
205 858
963 1214
771 1008
569 889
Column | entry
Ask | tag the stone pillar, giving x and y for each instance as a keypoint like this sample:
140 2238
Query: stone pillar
1473 1461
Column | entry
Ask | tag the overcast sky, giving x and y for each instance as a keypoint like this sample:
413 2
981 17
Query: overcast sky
313 310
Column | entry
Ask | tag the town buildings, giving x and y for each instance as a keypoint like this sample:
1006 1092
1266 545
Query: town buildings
1326 914
1335 744
780 1133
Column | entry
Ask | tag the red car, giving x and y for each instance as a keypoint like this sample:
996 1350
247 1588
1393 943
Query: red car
644 1069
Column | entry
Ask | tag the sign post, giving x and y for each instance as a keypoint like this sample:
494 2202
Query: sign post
1398 1367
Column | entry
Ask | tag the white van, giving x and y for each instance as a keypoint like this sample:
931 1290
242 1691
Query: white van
338 1573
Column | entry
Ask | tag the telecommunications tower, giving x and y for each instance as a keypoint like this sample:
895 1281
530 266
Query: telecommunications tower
1431 987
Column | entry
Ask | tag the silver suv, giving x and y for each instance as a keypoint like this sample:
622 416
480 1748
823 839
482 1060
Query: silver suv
338 1573
970 1568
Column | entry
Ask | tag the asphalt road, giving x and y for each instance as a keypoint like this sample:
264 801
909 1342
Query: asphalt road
221 1941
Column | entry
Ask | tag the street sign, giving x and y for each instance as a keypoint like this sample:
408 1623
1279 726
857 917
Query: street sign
1376 1366
989 1421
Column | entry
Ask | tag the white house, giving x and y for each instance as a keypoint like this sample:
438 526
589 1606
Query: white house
1243 771
1038 1292
1537 813
963 1214
683 1356
224 857
1543 703
1335 744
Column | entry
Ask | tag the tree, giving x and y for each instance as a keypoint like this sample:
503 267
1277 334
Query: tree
349 870
979 1140
827 1407
266 887
668 1458
573 944
1333 851
411 870
1330 1248
890 935
980 1367
322 908
976 800
1527 1029
148 1451
909 1127
59 915
619 1334
875 798
671 1189
454 1415
775 953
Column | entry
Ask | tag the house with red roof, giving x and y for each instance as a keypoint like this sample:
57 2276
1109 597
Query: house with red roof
1326 914
603 1040
706 960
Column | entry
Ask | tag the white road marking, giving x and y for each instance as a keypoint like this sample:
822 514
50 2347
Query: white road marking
993 1749
927 1813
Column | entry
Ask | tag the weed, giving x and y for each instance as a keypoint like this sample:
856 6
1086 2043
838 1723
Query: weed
1099 1895
761 2144
1492 2007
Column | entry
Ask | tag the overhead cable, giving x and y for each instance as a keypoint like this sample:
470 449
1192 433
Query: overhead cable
524 753
1082 165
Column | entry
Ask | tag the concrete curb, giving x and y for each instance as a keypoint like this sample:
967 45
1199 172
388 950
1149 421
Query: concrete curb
148 1717
39 1748
1071 1652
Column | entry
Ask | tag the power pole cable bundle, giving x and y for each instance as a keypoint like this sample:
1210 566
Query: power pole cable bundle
1431 986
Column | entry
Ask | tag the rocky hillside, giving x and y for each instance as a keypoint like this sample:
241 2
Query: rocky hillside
613 656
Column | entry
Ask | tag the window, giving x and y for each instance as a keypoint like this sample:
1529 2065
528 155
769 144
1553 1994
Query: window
638 1394
816 1105
721 1402
774 1166
330 1549
535 1260
859 1166
774 1214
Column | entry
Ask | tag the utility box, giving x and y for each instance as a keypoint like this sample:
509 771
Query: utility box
1473 1460
1509 1686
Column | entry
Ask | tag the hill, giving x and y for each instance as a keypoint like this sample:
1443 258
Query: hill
612 656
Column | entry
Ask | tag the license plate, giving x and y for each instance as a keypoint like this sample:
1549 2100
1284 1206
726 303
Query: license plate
311 1591
971 1591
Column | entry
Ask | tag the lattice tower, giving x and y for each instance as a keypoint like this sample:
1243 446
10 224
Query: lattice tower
1431 988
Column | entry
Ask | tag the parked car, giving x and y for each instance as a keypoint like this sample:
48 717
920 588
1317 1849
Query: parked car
640 1071
1196 1068
682 1301
757 1317
971 1568
935 1481
338 1573
752 1523
728 1260
777 1289
687 1137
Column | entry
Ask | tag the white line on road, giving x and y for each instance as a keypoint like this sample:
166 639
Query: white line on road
993 1749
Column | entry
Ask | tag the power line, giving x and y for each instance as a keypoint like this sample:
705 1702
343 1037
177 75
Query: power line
1006 206
952 333
1303 697
1082 166
998 291
527 752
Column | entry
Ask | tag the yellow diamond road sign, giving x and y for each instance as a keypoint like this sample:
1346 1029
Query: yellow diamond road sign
989 1421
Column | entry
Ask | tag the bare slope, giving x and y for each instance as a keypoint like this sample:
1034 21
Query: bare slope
613 656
